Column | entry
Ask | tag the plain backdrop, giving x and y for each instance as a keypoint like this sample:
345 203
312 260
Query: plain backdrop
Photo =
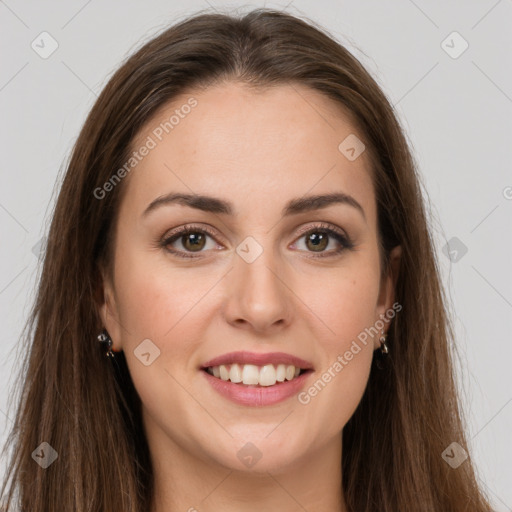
446 66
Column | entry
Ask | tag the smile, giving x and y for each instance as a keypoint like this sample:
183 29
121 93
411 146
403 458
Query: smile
250 374
257 379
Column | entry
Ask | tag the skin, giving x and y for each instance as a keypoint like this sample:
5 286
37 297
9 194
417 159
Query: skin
256 149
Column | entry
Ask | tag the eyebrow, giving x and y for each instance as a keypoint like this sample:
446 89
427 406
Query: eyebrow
216 205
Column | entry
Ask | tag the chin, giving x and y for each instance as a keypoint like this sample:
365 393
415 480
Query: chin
260 454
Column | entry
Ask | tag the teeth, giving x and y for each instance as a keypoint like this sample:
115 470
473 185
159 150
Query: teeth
268 375
290 372
281 372
235 373
224 374
250 374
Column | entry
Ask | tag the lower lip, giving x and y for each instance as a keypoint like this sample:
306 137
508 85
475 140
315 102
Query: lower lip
257 395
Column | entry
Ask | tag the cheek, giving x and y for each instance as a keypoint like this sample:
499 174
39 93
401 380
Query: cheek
345 303
164 306
153 298
347 308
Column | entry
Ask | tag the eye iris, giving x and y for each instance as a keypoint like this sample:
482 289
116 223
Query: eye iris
197 241
319 241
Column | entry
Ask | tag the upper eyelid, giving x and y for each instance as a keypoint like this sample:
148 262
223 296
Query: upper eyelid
323 225
188 228
210 230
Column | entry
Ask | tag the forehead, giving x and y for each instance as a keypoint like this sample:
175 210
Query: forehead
256 148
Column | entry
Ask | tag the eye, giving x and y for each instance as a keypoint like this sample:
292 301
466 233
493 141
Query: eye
188 240
323 236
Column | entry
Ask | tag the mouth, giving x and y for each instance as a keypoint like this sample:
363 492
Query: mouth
254 375
253 378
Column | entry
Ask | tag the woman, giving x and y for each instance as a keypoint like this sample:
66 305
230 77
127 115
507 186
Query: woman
241 227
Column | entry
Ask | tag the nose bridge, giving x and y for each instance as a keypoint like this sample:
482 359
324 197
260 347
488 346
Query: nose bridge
257 293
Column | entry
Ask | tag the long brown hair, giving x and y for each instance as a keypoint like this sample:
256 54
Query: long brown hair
87 409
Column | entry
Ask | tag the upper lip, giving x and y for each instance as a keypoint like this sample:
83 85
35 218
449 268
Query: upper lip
259 359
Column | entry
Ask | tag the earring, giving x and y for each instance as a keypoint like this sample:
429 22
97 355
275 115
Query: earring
105 339
383 347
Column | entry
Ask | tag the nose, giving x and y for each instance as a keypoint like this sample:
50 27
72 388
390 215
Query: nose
257 296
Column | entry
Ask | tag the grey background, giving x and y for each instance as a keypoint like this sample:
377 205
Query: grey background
457 113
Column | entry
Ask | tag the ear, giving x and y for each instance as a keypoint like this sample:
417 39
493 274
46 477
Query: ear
108 310
387 287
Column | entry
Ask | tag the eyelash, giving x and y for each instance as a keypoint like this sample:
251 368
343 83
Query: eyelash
323 228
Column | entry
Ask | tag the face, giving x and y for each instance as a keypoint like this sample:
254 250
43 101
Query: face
251 283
